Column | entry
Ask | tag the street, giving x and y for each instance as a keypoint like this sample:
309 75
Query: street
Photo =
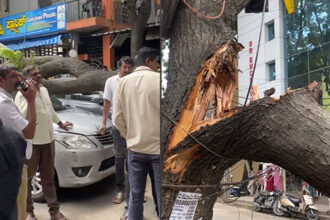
94 202
228 212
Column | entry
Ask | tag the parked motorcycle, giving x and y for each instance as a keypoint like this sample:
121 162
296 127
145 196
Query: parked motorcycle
266 200
295 206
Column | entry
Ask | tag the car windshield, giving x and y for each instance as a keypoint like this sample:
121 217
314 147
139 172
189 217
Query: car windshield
57 104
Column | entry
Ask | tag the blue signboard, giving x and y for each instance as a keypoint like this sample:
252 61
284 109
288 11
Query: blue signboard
33 23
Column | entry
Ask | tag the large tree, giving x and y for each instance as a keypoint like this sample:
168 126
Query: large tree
293 132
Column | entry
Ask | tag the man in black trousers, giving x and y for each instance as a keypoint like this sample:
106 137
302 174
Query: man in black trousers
12 155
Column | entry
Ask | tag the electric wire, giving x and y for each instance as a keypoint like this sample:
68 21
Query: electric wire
257 53
205 16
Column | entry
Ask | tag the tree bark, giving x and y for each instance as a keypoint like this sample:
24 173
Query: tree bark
192 40
138 21
293 132
84 77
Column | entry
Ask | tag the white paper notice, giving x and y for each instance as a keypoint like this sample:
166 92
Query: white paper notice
185 206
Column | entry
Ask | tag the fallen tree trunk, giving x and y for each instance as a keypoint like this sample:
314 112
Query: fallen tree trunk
84 77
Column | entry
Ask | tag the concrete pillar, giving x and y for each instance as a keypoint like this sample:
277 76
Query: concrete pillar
108 54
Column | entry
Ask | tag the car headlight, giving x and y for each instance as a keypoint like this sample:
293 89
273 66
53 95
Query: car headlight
74 141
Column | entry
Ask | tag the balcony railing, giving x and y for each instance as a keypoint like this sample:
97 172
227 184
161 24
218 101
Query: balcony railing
81 9
122 13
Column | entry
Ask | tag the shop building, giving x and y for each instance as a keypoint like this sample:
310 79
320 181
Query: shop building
96 31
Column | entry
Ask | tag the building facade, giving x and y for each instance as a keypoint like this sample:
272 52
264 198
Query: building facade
307 48
96 31
294 51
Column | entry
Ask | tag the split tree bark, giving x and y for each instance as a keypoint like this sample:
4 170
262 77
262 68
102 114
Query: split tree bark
293 132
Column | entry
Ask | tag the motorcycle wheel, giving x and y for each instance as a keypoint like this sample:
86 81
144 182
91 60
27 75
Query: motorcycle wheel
276 208
257 208
312 214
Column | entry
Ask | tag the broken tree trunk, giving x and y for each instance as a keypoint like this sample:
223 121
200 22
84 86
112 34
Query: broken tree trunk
192 40
292 132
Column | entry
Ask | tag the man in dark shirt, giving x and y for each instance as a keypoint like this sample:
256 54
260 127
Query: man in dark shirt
12 154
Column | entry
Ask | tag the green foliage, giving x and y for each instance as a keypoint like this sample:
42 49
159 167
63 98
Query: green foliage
16 58
7 53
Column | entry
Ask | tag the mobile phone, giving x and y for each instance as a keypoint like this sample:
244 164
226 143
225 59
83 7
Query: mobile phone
23 86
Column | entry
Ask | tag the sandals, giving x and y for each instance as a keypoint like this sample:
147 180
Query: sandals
119 198
30 216
58 216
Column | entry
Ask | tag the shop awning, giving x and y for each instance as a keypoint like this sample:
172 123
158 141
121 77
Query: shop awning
33 42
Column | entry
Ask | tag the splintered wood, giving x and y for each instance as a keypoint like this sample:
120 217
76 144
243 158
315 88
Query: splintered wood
215 83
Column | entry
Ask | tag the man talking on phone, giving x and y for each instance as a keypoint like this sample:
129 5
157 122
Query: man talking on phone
10 81
43 145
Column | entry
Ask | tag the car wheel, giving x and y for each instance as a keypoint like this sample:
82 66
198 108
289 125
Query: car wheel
36 188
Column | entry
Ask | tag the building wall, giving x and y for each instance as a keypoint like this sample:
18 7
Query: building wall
270 51
3 8
18 6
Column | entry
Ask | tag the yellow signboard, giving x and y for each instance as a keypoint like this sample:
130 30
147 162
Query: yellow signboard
14 24
2 31
289 4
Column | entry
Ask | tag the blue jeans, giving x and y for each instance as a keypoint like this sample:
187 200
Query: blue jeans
139 165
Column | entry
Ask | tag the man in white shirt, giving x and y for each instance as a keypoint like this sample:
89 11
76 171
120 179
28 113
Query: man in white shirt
137 117
12 118
43 145
125 67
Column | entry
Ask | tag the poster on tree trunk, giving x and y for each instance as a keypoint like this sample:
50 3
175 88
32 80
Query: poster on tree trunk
185 206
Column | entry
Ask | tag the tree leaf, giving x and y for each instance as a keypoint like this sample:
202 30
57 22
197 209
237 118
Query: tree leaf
18 55
7 53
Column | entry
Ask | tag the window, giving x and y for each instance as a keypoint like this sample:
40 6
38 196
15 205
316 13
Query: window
271 31
271 71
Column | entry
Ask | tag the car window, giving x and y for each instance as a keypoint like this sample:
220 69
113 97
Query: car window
57 104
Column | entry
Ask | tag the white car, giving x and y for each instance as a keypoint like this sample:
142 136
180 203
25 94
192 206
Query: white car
82 157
